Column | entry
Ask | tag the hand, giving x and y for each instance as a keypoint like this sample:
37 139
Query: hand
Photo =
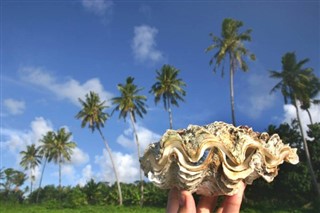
183 202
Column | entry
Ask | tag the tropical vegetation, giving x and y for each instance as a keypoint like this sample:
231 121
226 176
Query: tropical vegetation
231 46
169 88
295 189
130 101
30 160
295 85
93 115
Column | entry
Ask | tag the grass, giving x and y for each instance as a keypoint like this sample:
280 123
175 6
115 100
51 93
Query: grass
25 208
85 209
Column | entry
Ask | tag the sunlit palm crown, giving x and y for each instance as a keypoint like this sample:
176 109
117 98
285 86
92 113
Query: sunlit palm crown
231 44
294 79
92 112
129 100
31 157
168 86
46 145
62 148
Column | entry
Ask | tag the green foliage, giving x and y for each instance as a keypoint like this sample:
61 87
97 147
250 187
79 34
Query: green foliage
292 187
314 146
75 198
11 181
92 112
129 100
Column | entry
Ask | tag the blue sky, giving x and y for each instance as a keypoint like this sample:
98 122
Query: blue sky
53 52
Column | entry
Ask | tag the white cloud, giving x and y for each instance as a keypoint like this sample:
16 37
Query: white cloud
144 44
78 157
127 164
87 174
290 114
13 141
14 107
127 167
256 97
145 136
70 90
98 7
16 140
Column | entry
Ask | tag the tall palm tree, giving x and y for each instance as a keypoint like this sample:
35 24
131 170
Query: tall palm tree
231 45
313 89
293 84
93 115
30 160
168 87
45 150
130 101
62 149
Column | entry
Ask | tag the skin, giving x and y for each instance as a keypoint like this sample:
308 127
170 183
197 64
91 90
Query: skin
183 202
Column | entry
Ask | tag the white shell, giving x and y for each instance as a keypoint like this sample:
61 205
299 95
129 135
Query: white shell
213 159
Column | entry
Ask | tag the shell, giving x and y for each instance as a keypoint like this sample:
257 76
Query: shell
214 159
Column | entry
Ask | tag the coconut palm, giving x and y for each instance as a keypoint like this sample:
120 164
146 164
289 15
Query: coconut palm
30 160
313 89
45 148
231 45
294 83
7 176
93 115
169 88
62 149
18 179
132 103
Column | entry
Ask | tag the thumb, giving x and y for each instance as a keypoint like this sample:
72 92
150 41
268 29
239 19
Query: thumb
186 203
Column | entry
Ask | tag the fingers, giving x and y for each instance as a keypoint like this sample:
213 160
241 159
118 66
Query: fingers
183 202
206 204
232 203
186 203
173 201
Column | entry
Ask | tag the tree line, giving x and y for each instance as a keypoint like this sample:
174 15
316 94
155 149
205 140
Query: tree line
292 187
298 84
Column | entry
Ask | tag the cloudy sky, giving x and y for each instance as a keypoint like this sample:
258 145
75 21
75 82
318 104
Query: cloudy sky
53 52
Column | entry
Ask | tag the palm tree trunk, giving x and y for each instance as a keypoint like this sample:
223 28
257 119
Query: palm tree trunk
232 90
170 114
60 171
31 181
138 147
309 114
306 149
113 165
39 189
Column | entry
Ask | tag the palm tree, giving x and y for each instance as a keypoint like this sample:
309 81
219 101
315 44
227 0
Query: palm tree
92 113
7 176
168 87
231 44
294 81
18 180
30 160
61 149
131 102
45 150
313 89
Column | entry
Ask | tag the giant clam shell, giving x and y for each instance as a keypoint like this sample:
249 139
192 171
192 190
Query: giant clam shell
214 159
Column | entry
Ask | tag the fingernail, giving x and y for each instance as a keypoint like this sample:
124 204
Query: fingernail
182 199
